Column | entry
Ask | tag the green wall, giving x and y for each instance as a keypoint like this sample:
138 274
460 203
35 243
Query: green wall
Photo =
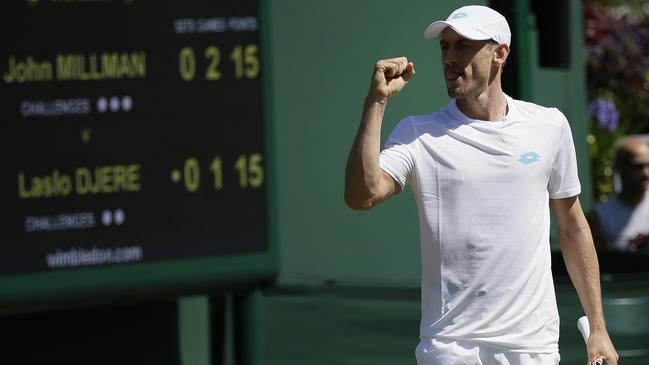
322 55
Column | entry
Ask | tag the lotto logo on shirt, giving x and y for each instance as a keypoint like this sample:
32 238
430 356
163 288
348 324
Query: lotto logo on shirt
529 157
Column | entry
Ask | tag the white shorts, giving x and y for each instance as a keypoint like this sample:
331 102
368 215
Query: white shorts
433 351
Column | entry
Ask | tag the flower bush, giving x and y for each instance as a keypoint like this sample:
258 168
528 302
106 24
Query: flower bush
617 66
604 132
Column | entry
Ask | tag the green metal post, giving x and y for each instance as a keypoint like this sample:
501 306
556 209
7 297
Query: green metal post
525 62
248 328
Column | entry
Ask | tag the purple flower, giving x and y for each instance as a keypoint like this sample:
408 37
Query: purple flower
605 113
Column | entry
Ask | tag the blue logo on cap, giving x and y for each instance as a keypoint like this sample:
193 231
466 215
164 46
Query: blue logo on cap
529 157
460 16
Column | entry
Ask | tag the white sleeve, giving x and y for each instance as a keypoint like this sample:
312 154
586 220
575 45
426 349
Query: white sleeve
396 157
564 177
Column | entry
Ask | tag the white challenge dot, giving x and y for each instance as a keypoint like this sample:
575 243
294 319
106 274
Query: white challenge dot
114 103
120 217
127 103
102 104
107 217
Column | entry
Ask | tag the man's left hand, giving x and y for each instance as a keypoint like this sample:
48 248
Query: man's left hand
600 345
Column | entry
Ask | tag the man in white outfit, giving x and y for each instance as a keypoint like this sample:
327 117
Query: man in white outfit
483 170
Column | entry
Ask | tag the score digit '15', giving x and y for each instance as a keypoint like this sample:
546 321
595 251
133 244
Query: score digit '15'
244 57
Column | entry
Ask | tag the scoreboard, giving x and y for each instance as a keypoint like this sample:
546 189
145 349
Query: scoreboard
133 135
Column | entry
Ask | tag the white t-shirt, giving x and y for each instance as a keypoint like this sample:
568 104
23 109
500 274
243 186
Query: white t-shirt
621 224
482 192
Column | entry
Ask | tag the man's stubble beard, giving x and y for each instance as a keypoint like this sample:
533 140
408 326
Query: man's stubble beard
471 88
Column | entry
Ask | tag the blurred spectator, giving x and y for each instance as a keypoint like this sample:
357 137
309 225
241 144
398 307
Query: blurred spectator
622 222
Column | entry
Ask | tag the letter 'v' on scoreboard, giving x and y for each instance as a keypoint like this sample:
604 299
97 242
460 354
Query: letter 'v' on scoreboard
134 148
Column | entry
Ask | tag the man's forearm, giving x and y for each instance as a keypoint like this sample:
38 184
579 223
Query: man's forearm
579 254
363 173
581 261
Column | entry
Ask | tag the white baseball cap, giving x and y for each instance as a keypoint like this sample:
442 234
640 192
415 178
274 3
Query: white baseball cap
473 22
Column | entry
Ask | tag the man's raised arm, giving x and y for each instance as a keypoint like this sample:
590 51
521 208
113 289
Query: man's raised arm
366 184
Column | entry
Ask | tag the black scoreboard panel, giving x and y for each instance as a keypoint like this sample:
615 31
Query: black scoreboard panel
131 131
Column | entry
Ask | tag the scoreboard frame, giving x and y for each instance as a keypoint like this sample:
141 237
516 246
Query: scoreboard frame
169 278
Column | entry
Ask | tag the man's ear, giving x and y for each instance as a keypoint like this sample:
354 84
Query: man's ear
500 54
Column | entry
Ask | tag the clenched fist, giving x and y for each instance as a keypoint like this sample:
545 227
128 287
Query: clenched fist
390 77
